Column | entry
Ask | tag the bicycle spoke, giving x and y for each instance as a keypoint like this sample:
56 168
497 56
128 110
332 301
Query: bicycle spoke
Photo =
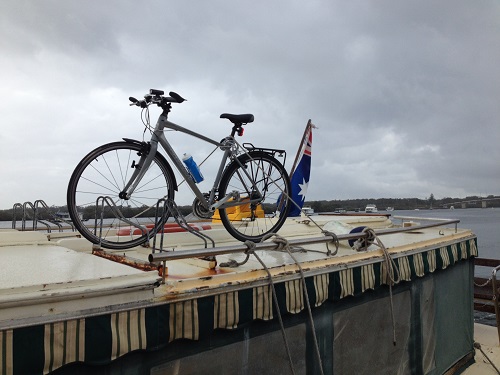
263 174
104 173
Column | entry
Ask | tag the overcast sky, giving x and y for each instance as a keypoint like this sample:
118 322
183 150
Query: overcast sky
405 94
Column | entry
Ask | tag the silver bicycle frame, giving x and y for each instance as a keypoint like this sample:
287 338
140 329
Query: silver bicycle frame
159 137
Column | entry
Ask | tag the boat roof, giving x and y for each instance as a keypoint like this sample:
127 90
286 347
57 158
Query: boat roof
49 276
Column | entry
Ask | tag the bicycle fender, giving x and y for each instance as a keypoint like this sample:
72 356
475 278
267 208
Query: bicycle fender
140 143
146 147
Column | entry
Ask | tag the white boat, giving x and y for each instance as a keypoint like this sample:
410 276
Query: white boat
64 216
370 208
389 209
307 210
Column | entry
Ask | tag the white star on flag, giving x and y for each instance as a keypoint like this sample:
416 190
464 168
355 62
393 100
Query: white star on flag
303 188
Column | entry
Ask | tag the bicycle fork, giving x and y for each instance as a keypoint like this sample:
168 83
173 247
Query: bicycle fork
147 155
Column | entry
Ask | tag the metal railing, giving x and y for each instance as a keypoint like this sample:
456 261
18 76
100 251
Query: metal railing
31 212
240 248
408 219
495 298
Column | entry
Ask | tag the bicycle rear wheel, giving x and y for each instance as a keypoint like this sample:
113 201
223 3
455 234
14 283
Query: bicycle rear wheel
252 221
104 173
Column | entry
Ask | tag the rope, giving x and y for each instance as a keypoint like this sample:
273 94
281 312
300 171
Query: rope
233 263
486 283
282 244
362 244
478 346
251 250
335 241
391 271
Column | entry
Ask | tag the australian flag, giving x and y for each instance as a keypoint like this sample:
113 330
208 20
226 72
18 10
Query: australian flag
301 172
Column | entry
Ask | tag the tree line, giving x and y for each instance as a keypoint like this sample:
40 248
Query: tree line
396 203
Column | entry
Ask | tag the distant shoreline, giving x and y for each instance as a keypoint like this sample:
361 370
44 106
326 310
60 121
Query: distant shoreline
404 203
358 205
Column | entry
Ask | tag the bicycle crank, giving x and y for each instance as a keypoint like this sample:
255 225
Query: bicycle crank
200 211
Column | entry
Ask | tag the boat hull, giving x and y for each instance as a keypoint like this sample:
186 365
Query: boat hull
209 318
235 327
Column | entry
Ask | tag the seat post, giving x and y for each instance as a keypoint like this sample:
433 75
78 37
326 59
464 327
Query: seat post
236 129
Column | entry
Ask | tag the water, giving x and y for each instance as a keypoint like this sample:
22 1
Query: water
484 222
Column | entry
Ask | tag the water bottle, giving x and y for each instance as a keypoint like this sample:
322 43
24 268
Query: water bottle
193 168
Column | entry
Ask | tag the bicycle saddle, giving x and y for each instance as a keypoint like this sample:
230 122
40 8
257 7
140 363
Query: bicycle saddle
238 119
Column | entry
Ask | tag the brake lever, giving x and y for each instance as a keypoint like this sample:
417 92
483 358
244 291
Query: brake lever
139 103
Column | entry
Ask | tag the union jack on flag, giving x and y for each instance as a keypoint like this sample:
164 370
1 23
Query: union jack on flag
301 172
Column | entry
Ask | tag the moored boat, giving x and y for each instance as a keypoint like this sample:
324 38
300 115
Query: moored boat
371 208
307 210
64 216
206 314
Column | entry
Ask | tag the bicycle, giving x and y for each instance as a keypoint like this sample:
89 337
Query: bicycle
124 180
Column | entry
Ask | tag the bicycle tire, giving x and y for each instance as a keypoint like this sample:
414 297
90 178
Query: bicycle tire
272 180
104 172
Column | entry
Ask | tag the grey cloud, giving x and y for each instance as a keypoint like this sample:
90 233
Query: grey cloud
405 94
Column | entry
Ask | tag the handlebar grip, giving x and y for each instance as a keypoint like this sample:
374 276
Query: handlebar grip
176 96
132 99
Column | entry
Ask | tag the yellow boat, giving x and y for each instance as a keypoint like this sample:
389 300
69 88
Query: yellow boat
238 213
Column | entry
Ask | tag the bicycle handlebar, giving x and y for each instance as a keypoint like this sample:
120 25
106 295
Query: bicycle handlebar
156 97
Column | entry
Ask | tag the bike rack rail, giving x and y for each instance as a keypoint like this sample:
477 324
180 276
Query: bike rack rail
495 298
170 207
118 214
164 208
35 209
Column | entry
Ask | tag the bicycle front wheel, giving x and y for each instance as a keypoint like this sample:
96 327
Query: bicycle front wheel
94 197
249 175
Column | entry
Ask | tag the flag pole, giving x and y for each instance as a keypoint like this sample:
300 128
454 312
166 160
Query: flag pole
309 124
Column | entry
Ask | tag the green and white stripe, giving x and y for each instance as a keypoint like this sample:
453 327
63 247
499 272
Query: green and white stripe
262 303
443 251
184 323
367 277
294 296
6 360
431 260
321 283
346 283
226 311
64 343
128 332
